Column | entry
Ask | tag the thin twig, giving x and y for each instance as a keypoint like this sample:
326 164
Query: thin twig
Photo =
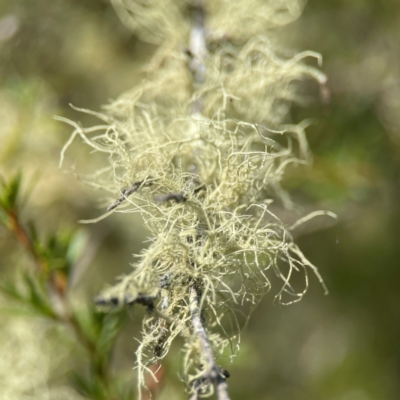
198 47
24 239
126 193
212 371
198 50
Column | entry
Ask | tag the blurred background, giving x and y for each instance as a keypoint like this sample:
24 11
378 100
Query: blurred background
344 346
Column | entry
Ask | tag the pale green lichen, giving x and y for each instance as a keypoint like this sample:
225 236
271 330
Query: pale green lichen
204 182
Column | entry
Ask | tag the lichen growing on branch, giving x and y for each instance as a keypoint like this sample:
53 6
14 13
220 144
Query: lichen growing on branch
199 150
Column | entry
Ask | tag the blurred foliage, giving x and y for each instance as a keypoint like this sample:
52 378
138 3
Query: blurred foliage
43 292
344 346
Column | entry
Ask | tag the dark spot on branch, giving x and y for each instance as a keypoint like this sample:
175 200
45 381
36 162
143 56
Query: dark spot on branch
145 300
177 197
164 281
159 347
100 301
114 301
127 192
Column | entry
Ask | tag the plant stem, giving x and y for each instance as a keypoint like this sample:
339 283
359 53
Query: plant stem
24 239
67 318
198 50
212 371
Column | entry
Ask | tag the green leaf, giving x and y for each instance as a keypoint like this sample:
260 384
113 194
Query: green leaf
81 384
77 245
11 290
84 316
37 296
91 387
29 293
61 250
111 326
10 191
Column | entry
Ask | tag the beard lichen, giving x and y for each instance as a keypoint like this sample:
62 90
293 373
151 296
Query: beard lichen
203 179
